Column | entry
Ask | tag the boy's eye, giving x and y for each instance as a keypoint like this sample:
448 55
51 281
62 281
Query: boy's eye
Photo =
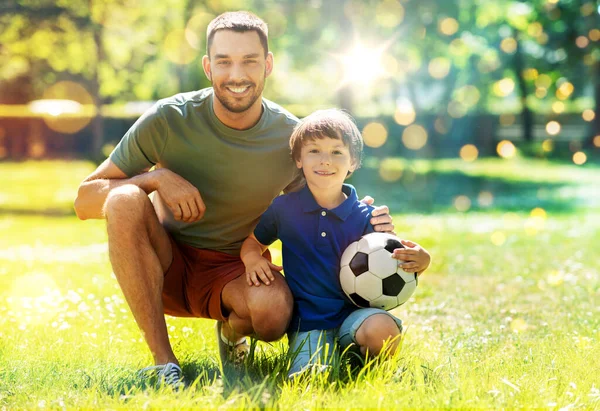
222 63
313 150
337 152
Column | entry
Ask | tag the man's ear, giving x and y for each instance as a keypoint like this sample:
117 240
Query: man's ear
206 67
269 64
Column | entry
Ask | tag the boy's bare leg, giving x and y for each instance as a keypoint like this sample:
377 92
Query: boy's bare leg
264 312
140 252
375 332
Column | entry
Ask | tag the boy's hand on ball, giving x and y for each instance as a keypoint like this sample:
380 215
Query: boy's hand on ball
261 270
415 259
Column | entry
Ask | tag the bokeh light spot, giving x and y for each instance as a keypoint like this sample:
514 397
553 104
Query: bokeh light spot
448 26
178 49
588 114
439 67
582 42
558 107
375 134
504 87
469 153
594 34
498 238
405 112
530 74
485 199
508 45
414 137
543 81
507 119
389 13
462 203
506 149
66 106
596 141
538 212
548 145
391 169
553 128
565 89
579 158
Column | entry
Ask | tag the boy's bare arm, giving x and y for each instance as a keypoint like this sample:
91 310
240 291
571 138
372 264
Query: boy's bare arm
257 267
416 258
182 198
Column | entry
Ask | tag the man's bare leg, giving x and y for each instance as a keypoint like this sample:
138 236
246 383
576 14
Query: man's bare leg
264 312
140 252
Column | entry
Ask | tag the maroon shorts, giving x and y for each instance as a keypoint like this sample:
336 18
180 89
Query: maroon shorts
194 281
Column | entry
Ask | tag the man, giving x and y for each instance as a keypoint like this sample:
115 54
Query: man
221 157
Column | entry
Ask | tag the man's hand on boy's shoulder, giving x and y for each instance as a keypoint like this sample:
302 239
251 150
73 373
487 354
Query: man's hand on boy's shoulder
415 258
381 220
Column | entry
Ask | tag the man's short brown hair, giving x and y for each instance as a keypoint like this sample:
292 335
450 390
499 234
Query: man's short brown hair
332 123
239 21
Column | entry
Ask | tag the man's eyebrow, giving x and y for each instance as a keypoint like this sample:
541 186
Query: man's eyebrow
247 56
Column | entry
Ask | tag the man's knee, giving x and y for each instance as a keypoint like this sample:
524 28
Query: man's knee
271 309
125 203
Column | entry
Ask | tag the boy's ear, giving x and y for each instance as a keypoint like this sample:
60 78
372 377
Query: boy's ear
299 163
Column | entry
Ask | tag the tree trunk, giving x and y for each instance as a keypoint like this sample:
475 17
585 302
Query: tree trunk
98 120
526 113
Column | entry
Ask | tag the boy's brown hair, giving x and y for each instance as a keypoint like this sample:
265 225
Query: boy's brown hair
239 21
332 123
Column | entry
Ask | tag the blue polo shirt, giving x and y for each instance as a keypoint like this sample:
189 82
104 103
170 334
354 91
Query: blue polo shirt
313 239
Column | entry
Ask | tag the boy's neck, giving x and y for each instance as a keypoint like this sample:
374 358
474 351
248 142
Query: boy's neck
328 199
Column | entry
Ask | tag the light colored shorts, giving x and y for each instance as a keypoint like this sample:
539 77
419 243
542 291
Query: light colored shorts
317 347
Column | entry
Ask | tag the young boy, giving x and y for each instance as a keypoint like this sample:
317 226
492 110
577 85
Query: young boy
315 225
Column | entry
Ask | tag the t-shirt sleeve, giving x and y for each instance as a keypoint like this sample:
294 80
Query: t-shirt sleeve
141 147
267 230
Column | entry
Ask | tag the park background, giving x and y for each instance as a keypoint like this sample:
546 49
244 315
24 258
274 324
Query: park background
482 128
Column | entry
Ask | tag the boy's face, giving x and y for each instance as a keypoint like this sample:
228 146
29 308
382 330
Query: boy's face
326 162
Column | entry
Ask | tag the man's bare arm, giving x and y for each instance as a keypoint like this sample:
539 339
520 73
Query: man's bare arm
182 198
93 191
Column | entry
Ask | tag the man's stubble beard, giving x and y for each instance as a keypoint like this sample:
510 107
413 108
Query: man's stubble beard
231 104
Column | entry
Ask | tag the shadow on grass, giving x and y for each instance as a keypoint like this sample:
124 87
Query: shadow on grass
436 192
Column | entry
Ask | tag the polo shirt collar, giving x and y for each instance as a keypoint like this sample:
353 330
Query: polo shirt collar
309 204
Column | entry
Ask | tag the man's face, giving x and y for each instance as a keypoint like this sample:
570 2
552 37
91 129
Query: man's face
237 69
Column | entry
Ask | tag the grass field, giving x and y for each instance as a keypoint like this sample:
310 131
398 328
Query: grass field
508 316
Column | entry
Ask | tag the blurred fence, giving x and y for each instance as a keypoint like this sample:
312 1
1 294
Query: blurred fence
38 136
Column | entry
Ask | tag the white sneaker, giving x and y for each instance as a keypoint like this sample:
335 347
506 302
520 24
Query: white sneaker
167 375
231 354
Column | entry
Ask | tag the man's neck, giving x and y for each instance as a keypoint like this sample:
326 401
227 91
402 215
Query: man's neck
238 121
328 199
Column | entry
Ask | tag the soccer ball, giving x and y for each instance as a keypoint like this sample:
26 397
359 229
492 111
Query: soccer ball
371 278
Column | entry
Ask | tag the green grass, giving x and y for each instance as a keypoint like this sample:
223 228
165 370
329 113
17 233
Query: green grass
506 317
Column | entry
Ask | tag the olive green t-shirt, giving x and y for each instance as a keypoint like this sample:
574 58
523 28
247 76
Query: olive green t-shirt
238 173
